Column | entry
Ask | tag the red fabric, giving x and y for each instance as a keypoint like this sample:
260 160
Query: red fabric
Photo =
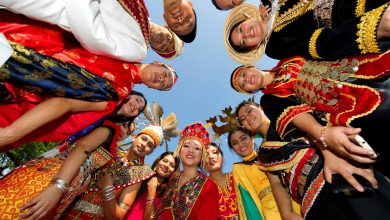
206 206
57 130
52 41
353 100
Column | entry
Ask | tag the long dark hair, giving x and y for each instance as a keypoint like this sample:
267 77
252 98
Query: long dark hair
120 118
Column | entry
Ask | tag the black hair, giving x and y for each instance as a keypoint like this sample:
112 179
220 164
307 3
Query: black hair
238 48
245 102
120 118
217 146
188 38
234 130
216 5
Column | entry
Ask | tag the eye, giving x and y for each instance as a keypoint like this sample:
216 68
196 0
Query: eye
150 145
240 29
144 138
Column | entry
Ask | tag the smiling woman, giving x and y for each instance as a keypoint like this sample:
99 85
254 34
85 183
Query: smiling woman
58 118
190 195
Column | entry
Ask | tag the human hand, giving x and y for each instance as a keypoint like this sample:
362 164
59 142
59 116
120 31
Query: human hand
42 203
265 12
104 180
337 140
334 164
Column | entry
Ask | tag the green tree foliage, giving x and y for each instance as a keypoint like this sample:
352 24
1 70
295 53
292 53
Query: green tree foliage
16 157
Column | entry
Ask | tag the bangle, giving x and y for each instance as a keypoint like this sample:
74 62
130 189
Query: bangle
61 184
322 136
123 206
108 193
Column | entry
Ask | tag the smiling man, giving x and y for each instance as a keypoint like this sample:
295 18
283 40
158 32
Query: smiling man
181 18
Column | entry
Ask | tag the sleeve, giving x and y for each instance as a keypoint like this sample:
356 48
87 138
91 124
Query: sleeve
281 111
50 11
105 28
352 37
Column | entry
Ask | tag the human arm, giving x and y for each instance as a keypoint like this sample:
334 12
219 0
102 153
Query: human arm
351 36
117 208
336 138
150 208
50 11
49 197
45 112
105 28
282 198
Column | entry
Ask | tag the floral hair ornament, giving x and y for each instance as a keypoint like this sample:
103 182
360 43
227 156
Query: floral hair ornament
236 16
175 77
177 50
155 132
195 131
234 79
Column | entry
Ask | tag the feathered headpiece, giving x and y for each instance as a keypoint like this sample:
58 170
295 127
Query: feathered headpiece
168 124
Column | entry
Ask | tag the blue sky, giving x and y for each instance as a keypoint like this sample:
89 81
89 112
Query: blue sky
204 69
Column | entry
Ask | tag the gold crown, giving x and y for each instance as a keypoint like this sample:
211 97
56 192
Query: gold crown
229 122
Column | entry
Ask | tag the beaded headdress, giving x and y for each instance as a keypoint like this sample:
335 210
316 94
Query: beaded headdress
195 131
155 132
175 77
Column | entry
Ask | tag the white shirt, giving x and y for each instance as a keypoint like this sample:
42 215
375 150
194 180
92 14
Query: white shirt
101 26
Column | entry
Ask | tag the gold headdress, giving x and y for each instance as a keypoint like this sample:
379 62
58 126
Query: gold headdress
228 122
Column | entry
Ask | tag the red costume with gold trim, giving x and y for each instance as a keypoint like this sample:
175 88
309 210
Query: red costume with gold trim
196 199
352 92
227 199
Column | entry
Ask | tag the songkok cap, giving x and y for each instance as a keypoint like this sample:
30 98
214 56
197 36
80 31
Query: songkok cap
237 15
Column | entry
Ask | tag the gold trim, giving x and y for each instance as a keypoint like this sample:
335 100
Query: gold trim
312 43
367 28
360 8
283 116
285 166
265 192
292 14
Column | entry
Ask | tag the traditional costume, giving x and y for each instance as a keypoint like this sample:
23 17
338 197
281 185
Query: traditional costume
352 92
25 182
326 29
198 197
300 168
116 29
253 190
228 208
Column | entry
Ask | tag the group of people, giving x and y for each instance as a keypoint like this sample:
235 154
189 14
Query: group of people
67 75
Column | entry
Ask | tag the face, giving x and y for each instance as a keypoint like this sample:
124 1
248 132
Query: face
251 117
214 159
228 4
251 79
179 16
191 153
143 145
248 34
133 106
126 130
157 76
166 166
161 39
242 143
